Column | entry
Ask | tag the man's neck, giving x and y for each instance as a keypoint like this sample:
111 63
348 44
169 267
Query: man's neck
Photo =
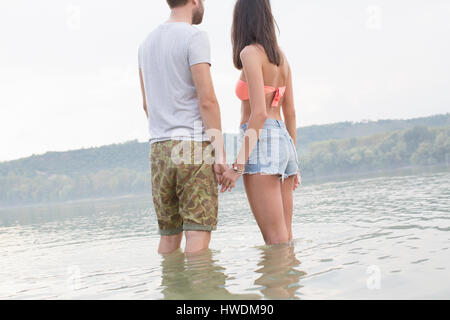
181 15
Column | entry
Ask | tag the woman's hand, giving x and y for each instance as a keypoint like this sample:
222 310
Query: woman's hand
297 180
229 179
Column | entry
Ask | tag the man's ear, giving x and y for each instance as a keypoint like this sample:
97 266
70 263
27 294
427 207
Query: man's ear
194 2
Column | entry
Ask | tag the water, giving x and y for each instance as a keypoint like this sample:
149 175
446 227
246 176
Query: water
373 238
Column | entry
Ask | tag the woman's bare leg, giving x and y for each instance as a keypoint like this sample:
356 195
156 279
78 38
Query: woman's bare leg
288 203
266 202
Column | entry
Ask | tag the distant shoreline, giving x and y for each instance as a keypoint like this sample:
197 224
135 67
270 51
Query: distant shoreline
78 201
379 173
407 170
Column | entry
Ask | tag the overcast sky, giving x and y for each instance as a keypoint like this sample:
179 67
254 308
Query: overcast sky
68 69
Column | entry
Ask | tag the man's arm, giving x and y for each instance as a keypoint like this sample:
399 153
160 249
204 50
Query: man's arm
209 108
143 92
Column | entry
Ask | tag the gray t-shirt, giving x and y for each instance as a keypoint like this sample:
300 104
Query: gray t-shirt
165 58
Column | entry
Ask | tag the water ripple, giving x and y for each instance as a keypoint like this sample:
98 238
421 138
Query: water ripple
345 233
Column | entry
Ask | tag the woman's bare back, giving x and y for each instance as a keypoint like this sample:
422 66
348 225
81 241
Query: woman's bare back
274 76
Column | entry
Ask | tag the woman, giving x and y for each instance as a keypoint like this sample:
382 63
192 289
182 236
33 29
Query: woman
267 158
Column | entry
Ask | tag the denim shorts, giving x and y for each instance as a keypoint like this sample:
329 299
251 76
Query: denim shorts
275 152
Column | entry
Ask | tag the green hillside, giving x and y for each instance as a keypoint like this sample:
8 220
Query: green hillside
134 155
131 155
346 130
327 150
419 146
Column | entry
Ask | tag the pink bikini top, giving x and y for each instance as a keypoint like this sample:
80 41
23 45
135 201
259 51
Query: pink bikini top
242 92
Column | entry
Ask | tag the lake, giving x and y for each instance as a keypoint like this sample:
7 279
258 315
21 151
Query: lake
385 237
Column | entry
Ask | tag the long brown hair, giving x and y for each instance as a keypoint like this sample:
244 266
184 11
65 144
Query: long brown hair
253 23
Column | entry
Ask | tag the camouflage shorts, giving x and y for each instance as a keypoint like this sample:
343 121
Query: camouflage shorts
185 194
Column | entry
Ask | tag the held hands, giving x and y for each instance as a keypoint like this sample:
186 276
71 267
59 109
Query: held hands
229 179
226 177
219 170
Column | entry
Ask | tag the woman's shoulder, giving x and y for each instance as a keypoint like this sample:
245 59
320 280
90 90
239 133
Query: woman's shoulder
284 59
251 51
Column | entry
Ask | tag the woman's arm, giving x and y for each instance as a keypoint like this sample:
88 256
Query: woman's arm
290 118
289 109
252 67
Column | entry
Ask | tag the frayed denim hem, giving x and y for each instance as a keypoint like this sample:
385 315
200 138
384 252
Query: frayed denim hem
286 176
265 173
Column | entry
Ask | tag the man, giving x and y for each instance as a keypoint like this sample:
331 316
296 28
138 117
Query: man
183 113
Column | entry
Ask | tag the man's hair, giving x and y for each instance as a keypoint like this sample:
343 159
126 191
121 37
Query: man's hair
176 3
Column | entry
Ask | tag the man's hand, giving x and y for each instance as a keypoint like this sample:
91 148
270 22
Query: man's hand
229 179
219 170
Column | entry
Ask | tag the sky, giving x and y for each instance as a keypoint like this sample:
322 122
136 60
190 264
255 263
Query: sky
69 77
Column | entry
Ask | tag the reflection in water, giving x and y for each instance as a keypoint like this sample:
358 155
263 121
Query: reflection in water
279 278
198 276
195 277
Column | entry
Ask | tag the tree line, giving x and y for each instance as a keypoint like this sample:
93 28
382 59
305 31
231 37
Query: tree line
27 181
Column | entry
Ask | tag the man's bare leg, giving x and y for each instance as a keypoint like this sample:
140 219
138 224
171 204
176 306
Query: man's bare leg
169 244
197 241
